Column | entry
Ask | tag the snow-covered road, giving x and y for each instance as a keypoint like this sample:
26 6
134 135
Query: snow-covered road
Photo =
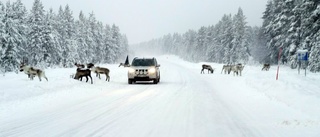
184 104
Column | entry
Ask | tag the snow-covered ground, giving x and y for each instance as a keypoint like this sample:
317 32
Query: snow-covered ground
184 104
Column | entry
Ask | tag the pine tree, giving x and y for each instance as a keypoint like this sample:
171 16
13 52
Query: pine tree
71 44
13 37
240 45
116 41
20 16
50 38
202 43
35 36
3 36
226 38
108 44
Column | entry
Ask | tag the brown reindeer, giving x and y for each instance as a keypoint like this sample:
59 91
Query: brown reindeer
266 67
79 65
32 72
90 65
208 67
101 70
83 73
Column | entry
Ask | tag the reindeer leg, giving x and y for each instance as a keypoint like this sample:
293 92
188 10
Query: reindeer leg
87 79
107 77
91 79
39 77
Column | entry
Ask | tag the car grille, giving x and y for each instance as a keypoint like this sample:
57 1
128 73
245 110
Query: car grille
142 71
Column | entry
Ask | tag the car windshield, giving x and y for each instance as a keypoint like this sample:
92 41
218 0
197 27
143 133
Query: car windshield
143 62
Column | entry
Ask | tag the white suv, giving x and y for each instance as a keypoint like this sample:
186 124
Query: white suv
144 69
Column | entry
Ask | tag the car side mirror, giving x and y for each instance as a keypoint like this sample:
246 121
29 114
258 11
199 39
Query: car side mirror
158 65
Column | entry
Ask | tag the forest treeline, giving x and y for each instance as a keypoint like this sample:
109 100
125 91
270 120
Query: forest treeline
289 25
47 39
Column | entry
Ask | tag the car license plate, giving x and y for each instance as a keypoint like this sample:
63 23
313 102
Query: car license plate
141 75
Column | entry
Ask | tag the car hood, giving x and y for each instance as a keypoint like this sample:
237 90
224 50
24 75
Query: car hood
142 67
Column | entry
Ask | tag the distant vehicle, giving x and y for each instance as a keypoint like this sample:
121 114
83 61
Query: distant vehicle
144 69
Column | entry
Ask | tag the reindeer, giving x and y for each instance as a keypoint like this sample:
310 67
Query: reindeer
124 65
101 70
237 69
79 65
266 67
227 68
208 67
32 72
90 65
83 73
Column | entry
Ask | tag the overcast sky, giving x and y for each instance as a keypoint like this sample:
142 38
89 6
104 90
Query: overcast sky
142 20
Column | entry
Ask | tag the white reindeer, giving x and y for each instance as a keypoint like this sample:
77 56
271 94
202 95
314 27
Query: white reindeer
237 69
31 72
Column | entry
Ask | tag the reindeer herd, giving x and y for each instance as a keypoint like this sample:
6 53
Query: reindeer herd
85 70
81 71
236 69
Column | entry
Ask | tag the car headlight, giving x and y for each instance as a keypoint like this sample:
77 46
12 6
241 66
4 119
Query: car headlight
152 70
131 70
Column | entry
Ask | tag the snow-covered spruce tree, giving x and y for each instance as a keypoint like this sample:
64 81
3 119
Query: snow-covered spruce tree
312 40
258 49
277 27
50 38
2 36
81 28
99 35
62 37
116 41
294 38
314 59
20 16
287 37
217 49
107 44
239 50
35 48
209 42
190 41
12 39
201 45
70 42
177 46
226 39
167 41
90 40
123 48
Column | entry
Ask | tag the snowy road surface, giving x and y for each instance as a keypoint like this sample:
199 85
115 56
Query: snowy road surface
184 104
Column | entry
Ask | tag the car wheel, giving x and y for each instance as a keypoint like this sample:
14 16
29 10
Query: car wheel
130 81
155 81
